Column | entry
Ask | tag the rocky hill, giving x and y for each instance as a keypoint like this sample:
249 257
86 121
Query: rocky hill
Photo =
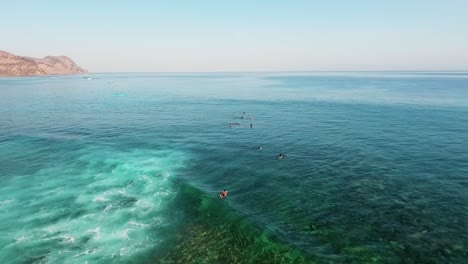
12 65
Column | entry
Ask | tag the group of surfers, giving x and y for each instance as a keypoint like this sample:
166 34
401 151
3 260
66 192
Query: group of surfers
242 117
224 193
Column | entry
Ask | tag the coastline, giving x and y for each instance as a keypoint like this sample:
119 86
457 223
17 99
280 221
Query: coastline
41 75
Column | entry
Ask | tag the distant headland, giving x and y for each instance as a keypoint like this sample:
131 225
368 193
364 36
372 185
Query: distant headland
12 65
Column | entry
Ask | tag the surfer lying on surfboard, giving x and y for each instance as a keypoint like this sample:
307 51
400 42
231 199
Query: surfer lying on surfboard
223 194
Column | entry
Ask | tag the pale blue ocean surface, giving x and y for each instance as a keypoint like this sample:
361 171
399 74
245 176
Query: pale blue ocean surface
126 168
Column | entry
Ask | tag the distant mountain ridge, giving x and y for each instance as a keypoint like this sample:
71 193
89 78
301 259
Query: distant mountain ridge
12 65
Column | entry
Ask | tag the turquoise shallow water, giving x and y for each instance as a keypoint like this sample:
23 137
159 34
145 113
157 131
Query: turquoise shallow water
126 168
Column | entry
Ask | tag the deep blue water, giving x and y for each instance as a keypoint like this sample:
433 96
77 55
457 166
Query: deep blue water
125 168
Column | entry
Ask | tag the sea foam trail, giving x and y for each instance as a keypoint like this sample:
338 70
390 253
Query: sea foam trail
105 206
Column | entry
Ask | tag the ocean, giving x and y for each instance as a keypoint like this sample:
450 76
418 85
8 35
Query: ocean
127 168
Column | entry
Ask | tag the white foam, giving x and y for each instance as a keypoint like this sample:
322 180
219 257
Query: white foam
107 209
133 222
21 239
113 211
6 202
96 232
87 215
68 238
123 193
88 252
125 233
100 198
144 205
123 251
158 221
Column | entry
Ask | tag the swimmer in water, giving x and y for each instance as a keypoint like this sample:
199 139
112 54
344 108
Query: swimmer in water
280 156
251 125
223 194
259 148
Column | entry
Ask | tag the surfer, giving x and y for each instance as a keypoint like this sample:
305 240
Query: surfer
223 194
280 156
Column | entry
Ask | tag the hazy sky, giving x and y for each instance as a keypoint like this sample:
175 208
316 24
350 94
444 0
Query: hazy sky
250 35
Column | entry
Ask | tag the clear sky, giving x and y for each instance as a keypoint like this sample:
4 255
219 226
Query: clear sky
250 35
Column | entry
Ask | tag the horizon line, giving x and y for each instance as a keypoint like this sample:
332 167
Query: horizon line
293 71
